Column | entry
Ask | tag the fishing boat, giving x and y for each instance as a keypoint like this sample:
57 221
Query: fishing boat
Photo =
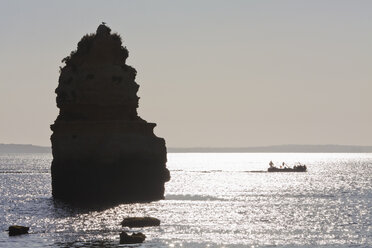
284 168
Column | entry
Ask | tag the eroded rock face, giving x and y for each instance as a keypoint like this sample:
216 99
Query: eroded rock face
102 150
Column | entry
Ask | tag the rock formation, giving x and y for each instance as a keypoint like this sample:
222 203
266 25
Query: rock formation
140 221
135 238
18 230
102 150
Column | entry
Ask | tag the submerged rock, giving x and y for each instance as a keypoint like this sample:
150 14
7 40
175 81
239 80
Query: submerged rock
135 238
140 221
102 150
18 230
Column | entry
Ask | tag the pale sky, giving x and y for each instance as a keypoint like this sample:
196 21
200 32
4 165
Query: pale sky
211 73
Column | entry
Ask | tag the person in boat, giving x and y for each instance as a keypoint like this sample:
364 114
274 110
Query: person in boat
271 164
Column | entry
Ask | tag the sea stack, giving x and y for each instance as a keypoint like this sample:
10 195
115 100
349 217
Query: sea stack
103 152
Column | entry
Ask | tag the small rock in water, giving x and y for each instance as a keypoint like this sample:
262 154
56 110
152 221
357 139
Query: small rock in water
135 238
17 230
140 221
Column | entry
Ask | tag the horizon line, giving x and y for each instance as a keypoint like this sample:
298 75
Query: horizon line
220 147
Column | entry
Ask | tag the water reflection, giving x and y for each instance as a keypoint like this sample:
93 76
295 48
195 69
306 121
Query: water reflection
328 206
94 244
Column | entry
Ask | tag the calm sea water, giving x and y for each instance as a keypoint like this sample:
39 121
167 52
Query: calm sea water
212 200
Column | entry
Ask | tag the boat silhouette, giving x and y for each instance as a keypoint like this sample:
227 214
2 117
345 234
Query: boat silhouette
284 168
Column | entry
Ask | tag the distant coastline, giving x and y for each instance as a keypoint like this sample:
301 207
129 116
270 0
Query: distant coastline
280 149
22 148
25 148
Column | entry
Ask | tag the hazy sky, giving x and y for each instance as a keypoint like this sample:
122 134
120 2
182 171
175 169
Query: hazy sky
211 73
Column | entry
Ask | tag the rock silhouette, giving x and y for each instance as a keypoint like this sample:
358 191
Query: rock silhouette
102 150
140 222
135 238
18 230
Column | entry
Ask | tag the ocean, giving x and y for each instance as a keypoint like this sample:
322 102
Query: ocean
212 200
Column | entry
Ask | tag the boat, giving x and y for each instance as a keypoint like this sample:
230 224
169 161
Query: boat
297 168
